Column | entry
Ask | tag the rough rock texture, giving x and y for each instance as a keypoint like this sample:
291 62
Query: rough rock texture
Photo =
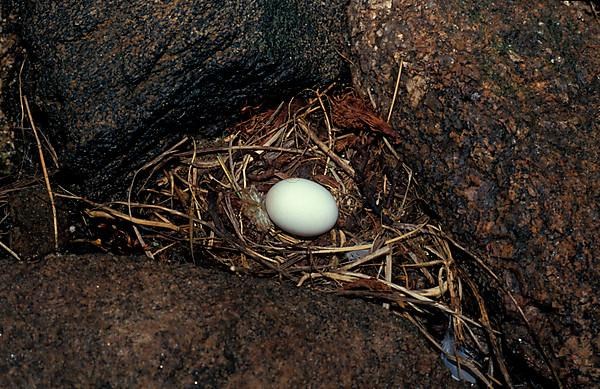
116 79
31 225
499 110
124 322
9 52
11 58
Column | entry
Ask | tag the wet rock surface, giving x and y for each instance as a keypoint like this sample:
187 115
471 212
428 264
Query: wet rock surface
105 321
114 81
498 110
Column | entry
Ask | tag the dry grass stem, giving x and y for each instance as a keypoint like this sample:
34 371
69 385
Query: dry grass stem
397 85
11 252
44 170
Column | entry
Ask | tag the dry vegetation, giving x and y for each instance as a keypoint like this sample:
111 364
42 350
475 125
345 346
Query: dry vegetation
206 199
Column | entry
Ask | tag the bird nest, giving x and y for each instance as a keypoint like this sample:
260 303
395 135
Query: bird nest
206 198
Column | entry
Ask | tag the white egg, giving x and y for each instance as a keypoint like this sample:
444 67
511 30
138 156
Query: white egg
301 207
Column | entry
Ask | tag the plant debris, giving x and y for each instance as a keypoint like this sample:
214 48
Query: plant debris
206 197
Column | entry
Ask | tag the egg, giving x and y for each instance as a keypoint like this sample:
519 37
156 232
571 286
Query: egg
301 207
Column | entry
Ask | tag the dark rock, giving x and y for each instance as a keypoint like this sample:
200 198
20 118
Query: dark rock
498 111
10 60
31 233
116 80
124 322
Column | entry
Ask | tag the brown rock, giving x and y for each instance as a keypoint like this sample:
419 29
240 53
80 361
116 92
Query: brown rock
498 112
124 322
32 224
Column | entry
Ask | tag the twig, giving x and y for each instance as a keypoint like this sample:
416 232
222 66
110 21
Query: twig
472 368
8 249
329 132
388 272
45 171
21 92
492 336
340 162
389 116
142 243
111 213
536 340
192 208
155 163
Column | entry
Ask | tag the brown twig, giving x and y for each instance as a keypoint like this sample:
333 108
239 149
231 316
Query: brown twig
389 116
340 162
11 252
45 171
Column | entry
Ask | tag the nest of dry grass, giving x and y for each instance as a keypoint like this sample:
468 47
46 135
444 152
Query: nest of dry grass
206 198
